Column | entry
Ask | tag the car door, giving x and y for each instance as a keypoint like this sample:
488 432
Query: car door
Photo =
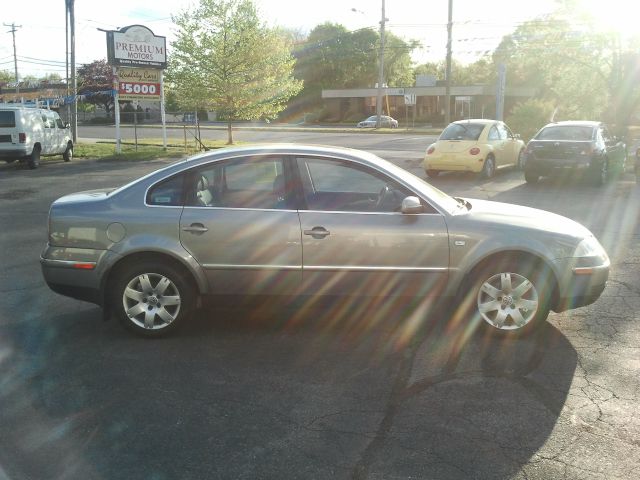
48 133
510 146
239 224
355 239
614 147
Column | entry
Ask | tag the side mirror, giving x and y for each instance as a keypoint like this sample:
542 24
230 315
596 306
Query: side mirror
67 125
411 205
517 136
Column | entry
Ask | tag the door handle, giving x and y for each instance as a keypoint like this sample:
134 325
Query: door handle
317 232
195 228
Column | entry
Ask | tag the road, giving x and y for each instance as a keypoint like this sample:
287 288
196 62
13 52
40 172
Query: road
350 390
402 144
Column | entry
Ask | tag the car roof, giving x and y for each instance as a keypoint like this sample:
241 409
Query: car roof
575 123
483 121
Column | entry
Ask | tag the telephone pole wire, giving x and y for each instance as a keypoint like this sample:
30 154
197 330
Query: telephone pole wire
14 29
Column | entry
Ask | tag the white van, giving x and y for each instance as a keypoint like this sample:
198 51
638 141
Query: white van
27 133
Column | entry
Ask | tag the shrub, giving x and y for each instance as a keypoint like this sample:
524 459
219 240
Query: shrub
528 117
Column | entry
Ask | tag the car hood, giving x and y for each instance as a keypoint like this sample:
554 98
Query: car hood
509 215
86 196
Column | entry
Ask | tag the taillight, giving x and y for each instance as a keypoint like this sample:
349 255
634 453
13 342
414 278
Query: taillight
588 150
22 137
431 150
474 151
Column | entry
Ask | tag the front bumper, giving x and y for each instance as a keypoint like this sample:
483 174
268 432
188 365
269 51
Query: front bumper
581 286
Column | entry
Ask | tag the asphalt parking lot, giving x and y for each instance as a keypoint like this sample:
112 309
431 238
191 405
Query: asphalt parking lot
328 390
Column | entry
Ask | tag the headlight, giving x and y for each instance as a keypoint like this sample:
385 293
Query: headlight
589 247
589 253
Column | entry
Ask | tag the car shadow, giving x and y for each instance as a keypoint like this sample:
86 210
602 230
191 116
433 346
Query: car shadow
390 387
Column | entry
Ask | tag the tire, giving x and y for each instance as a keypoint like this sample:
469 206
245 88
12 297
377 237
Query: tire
432 173
601 175
509 298
140 293
33 161
531 177
68 153
520 160
489 168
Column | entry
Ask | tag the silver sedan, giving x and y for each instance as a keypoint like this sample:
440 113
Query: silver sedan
298 220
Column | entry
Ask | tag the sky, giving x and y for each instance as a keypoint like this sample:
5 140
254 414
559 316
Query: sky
478 25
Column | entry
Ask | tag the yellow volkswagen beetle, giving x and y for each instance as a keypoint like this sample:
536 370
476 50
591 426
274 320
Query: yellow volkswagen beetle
479 146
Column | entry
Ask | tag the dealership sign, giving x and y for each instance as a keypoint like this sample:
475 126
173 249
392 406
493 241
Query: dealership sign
136 46
139 83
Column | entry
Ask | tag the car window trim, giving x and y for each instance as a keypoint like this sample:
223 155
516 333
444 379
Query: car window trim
290 156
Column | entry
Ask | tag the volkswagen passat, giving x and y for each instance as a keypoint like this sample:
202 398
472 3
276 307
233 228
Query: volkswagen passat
303 220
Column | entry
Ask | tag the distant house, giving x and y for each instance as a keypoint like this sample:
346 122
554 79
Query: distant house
472 101
43 92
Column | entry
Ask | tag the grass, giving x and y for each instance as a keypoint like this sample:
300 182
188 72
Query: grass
148 149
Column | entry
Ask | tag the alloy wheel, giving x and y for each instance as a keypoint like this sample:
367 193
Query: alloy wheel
508 301
151 301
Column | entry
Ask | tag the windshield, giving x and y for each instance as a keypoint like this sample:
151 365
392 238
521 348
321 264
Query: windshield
462 131
576 133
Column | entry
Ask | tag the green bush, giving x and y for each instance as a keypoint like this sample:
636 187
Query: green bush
100 120
528 117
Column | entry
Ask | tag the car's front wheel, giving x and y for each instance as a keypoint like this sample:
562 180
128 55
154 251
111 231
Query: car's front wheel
151 299
432 173
510 297
33 161
68 153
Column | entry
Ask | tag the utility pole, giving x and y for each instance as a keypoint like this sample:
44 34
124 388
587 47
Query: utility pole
74 82
13 30
447 106
66 58
380 70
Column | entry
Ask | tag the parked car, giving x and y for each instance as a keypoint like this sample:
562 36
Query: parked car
305 220
479 146
385 122
27 133
572 148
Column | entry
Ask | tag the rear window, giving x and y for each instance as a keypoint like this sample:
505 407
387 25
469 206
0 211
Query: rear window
462 131
7 119
576 133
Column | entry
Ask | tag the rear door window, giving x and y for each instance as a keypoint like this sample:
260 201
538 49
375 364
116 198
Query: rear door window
7 119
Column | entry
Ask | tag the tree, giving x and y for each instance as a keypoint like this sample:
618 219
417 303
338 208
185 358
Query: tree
333 57
95 82
480 72
225 58
6 76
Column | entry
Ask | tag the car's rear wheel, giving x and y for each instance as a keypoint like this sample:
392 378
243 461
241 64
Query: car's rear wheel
68 153
510 298
489 168
34 159
601 175
432 173
152 299
531 177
